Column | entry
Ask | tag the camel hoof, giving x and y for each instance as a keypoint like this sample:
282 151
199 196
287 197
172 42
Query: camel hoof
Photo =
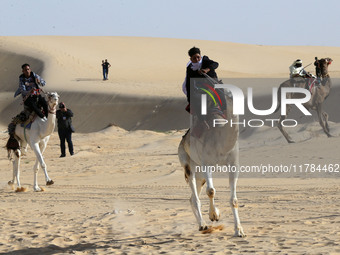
291 141
239 233
202 228
21 189
38 189
50 182
242 235
10 182
214 216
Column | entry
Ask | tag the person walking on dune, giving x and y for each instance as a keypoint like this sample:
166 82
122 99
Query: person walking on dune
106 65
104 71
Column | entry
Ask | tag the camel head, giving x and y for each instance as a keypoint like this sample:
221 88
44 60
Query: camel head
52 100
215 111
323 64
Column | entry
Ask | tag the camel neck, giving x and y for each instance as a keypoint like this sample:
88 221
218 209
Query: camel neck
49 124
326 81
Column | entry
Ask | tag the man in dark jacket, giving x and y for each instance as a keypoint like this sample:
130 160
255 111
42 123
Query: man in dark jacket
106 66
65 128
196 68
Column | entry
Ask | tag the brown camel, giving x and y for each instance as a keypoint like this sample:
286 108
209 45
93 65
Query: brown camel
318 95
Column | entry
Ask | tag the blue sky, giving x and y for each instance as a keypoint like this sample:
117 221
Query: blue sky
266 22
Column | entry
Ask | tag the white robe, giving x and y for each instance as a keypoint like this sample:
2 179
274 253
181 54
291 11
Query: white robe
194 67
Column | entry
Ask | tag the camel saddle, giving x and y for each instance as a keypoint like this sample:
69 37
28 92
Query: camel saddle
27 124
24 118
311 83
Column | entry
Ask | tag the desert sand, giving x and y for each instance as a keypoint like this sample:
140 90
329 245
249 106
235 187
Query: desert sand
123 192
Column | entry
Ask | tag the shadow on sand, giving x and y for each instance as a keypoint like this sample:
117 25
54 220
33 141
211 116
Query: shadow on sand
114 244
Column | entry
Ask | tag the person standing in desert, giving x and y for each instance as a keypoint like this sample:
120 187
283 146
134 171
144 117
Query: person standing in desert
65 128
106 65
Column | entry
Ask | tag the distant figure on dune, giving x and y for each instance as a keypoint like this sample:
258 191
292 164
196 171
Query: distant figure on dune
65 128
104 72
106 65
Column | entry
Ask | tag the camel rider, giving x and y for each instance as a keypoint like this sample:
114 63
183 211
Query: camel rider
29 89
317 67
33 101
297 70
317 70
196 68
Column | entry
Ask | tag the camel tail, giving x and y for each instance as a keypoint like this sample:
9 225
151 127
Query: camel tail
12 146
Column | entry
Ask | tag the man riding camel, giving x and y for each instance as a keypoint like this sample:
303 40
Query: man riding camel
197 69
29 88
29 83
297 70
201 76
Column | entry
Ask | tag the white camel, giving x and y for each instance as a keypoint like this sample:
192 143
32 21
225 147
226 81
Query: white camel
36 137
216 146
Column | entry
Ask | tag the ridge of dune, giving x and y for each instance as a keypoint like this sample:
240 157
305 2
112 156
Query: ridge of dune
140 65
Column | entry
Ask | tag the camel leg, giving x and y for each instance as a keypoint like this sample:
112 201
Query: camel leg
282 118
43 145
233 160
234 204
195 184
40 159
323 120
214 213
194 200
325 116
36 170
16 170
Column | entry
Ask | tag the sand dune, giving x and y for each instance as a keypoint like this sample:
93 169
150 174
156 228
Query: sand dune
153 66
123 192
75 73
